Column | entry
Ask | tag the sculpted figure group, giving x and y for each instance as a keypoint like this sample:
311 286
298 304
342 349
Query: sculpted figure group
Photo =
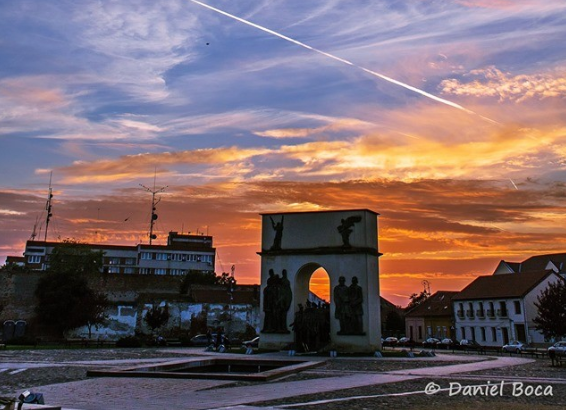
311 326
349 310
277 298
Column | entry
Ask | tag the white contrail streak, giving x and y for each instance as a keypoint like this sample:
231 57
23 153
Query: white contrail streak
383 77
513 184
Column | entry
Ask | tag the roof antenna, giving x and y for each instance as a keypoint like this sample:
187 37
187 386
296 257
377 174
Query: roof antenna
154 203
426 285
48 206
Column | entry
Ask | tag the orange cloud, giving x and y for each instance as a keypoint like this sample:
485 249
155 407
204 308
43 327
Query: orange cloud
441 230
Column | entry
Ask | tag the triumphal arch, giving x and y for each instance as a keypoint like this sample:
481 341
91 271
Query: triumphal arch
343 243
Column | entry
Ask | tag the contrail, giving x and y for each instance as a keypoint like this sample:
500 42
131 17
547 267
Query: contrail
513 184
376 74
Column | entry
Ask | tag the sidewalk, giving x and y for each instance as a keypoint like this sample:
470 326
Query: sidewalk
154 394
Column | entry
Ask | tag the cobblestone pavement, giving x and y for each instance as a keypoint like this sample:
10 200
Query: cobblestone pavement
22 369
377 383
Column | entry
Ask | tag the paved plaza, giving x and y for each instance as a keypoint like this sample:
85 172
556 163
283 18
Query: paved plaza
342 382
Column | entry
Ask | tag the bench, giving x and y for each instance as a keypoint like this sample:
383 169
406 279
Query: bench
557 358
105 343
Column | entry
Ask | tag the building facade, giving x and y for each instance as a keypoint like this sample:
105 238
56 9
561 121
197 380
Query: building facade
497 309
182 254
432 318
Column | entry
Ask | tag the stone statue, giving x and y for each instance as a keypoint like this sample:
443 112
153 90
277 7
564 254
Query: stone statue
345 229
342 304
285 297
356 298
269 302
278 228
277 297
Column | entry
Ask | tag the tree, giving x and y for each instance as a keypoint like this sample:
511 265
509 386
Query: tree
551 305
65 301
157 316
197 277
95 311
417 299
394 323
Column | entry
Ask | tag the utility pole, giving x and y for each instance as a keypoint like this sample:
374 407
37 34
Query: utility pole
154 203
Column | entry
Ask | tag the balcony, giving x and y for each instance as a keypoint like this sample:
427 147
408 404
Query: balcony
490 313
502 313
470 313
480 313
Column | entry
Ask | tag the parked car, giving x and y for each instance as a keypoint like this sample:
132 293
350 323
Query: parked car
446 343
558 348
431 342
468 344
202 340
514 347
251 343
390 341
406 342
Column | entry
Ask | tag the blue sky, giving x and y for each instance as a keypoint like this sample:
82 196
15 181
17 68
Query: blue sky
237 121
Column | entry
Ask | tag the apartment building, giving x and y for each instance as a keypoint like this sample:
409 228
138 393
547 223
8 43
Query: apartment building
181 253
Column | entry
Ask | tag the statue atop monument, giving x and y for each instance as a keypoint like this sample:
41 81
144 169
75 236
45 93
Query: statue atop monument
345 229
278 228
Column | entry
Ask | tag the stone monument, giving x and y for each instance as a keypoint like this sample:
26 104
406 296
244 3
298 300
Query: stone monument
345 244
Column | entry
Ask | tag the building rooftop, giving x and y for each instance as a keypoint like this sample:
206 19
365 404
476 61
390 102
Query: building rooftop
438 304
503 286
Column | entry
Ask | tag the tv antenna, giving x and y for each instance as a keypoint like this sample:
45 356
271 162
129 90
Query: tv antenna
154 203
48 206
426 285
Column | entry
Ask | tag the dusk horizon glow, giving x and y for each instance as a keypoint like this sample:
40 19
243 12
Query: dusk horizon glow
239 119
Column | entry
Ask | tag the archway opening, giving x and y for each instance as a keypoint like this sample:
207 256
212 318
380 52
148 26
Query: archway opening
312 317
319 285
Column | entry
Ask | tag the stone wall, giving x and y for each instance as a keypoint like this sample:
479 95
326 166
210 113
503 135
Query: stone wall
131 296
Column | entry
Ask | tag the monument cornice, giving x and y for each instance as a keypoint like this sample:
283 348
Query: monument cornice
327 250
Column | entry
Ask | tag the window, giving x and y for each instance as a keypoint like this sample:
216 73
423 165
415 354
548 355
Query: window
482 332
160 271
429 331
113 269
113 261
34 259
494 334
144 271
130 261
129 270
502 309
420 332
463 331
517 307
161 256
411 332
145 255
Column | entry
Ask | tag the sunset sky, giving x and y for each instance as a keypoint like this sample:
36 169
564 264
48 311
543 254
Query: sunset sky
447 117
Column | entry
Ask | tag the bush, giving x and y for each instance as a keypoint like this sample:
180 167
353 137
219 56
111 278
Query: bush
128 341
22 341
